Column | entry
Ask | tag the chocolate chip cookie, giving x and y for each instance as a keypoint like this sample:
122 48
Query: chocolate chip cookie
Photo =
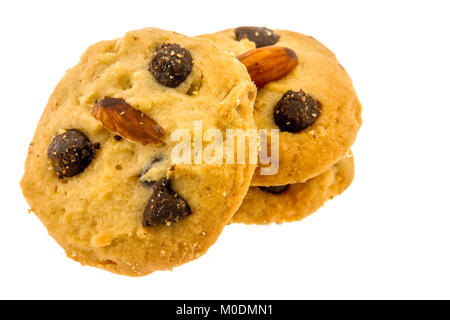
99 172
312 103
287 203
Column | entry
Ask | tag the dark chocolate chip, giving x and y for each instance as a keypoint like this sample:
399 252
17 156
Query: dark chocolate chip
261 36
70 153
117 137
164 206
97 146
275 189
171 65
296 111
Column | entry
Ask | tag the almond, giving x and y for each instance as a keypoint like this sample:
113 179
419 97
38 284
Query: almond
119 117
268 64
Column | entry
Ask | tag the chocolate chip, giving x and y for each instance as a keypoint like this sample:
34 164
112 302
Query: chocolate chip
296 111
261 36
97 146
171 65
164 206
70 153
117 137
275 189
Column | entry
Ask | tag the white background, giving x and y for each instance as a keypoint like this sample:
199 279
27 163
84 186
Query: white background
388 236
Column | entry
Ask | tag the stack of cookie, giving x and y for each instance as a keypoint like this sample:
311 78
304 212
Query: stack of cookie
115 169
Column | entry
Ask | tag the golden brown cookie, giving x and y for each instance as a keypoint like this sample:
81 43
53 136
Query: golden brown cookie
264 205
315 106
99 172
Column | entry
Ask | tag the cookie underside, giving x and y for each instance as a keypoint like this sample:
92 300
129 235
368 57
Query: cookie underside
299 200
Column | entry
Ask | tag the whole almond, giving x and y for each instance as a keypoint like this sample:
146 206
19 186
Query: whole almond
268 64
119 117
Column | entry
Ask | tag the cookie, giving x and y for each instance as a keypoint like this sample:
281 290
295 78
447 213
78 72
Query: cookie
314 106
265 205
99 172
